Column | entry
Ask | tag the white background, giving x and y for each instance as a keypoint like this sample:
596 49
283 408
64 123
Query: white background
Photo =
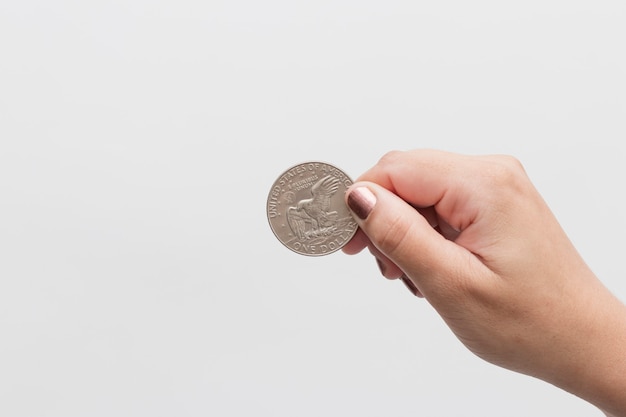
139 140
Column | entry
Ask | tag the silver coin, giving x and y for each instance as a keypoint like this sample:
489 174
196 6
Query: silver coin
307 211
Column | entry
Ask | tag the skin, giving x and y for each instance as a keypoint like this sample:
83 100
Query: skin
477 241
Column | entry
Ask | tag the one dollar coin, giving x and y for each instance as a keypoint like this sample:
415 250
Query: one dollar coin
307 211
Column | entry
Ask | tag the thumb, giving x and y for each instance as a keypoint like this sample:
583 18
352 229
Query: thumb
406 237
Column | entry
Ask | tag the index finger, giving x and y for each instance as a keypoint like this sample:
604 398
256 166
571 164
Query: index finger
430 178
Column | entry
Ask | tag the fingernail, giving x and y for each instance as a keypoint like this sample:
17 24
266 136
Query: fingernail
409 284
361 201
381 266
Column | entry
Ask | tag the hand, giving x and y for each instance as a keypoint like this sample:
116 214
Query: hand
474 237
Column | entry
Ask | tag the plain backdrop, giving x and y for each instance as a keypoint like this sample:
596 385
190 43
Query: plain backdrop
138 143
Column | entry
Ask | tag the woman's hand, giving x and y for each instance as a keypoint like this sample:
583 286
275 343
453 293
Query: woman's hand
474 237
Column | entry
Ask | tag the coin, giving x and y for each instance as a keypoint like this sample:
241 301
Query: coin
306 209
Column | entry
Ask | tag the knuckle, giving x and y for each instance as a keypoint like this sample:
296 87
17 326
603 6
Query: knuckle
512 164
390 158
394 234
506 172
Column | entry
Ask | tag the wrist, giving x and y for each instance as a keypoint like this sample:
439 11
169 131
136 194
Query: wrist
593 366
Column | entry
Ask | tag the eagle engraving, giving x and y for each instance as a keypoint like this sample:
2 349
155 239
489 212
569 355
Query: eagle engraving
311 218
